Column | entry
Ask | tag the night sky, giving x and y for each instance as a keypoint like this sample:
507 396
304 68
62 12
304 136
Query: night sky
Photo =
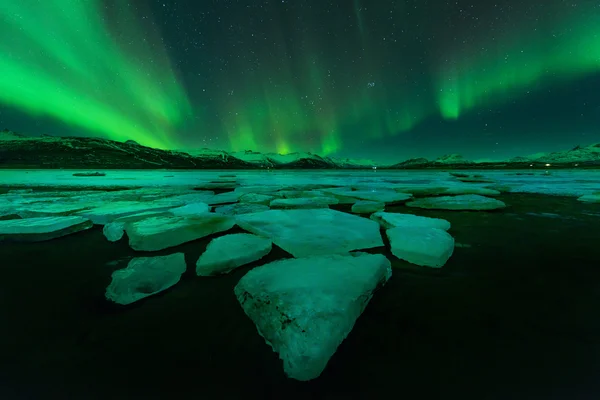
380 79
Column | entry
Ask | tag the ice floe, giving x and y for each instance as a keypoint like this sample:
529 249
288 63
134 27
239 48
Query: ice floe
305 233
383 196
393 220
109 212
464 202
454 189
54 209
240 208
590 198
41 228
561 182
115 230
225 253
367 207
307 202
294 194
426 246
144 277
256 198
190 209
304 308
459 190
158 233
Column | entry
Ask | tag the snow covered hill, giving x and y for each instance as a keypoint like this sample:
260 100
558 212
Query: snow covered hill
96 153
5 134
450 159
18 151
300 160
578 154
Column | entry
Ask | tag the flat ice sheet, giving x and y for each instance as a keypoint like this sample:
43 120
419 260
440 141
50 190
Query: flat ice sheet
558 182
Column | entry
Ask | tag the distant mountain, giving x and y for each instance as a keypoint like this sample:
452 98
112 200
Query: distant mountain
208 153
577 157
353 163
19 151
451 159
94 153
578 154
254 157
300 160
412 163
5 134
274 160
520 159
446 161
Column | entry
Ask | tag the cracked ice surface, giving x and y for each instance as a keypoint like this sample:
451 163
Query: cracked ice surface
557 182
305 307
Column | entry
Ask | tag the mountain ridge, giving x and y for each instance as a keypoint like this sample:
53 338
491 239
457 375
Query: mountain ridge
19 151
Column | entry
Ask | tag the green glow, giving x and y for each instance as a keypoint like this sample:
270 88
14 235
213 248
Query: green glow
281 118
330 143
283 148
311 102
268 115
297 88
63 61
278 113
514 65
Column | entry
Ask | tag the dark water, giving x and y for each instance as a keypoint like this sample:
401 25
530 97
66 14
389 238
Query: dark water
514 314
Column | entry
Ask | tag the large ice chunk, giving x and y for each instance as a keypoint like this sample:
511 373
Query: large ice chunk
251 188
256 198
313 232
429 190
190 198
383 196
54 209
590 198
145 276
158 233
367 207
304 308
190 209
458 190
111 211
465 202
294 194
306 202
392 220
115 230
41 228
430 247
226 253
241 208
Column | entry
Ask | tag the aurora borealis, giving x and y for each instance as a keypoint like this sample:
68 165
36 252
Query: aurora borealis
384 80
60 58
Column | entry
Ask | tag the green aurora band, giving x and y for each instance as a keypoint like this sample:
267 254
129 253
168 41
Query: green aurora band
116 79
531 58
63 61
305 107
281 108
